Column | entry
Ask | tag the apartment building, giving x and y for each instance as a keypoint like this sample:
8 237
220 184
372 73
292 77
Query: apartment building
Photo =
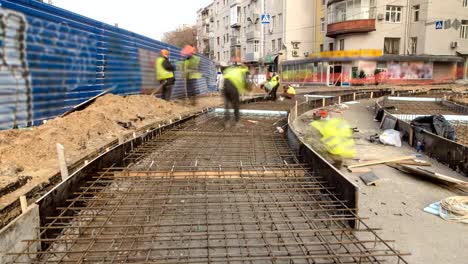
236 29
401 41
205 24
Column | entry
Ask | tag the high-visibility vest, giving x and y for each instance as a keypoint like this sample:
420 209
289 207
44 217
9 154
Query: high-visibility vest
191 68
236 74
291 90
274 81
337 136
161 73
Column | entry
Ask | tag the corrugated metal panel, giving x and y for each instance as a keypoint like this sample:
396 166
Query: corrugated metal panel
53 59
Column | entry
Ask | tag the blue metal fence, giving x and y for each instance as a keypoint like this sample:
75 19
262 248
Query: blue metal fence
53 59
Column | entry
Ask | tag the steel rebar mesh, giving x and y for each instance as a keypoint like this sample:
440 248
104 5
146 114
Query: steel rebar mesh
198 194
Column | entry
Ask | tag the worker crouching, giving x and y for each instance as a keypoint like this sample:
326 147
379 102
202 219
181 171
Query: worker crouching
235 84
336 139
288 92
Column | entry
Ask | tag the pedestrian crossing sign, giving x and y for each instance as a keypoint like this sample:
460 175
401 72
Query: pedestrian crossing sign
265 18
439 24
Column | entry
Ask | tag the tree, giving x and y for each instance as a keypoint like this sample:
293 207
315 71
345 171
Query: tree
185 35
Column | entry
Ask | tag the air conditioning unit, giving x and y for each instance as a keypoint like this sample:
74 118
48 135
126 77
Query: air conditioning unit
380 16
295 53
454 44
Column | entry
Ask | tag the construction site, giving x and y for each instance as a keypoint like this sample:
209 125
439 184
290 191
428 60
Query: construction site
119 175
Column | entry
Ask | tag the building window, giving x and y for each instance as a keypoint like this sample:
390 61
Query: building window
465 3
321 47
280 44
280 21
273 45
217 40
414 45
256 45
393 14
272 23
392 46
464 29
219 57
341 44
323 2
322 24
330 46
416 13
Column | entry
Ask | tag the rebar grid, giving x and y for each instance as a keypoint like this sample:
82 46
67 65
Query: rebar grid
238 197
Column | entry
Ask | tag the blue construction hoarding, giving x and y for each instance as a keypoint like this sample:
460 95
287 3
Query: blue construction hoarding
53 59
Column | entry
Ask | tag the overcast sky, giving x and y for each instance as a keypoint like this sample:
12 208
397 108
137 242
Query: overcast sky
147 17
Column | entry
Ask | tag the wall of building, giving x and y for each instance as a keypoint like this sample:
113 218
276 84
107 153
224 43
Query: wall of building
301 27
439 41
53 59
375 39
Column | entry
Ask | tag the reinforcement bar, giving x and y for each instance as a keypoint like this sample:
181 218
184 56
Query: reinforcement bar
202 193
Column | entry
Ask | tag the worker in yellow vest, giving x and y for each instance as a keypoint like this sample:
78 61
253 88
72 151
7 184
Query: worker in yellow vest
337 138
271 87
235 84
191 71
165 74
288 92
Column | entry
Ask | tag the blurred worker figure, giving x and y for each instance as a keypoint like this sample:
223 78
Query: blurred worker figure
191 71
288 92
336 138
235 84
165 74
271 87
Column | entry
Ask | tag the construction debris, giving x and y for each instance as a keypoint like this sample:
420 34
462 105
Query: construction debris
369 178
454 209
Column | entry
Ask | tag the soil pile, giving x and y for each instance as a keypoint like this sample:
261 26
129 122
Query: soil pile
32 151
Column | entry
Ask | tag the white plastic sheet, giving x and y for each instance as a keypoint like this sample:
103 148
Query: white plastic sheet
391 137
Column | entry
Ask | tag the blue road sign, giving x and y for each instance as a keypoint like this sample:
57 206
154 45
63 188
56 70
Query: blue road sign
265 18
439 24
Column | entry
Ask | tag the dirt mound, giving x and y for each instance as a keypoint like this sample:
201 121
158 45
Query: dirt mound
32 151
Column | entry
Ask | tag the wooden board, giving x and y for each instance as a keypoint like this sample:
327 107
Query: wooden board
212 174
430 175
84 104
381 161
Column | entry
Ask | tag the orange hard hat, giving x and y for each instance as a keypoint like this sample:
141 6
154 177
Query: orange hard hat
323 113
165 52
188 50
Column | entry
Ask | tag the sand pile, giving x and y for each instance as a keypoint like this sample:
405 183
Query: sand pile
32 152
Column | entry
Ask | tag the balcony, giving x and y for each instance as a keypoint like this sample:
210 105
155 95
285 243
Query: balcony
252 56
350 26
252 35
235 41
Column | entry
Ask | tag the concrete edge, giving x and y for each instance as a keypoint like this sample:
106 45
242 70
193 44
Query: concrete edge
24 227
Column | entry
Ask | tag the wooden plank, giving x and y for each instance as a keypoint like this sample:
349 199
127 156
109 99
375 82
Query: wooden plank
62 161
24 204
84 104
429 175
414 162
359 170
212 174
380 162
